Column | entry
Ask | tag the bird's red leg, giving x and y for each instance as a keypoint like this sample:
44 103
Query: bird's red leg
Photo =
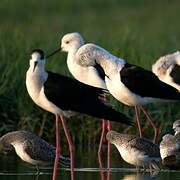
56 162
100 147
109 126
152 122
71 146
138 121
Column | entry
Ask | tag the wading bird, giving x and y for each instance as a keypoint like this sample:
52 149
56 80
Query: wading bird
170 148
31 148
136 151
167 68
64 96
90 75
128 83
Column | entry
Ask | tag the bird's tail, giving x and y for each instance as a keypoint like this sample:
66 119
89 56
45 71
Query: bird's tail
64 161
108 113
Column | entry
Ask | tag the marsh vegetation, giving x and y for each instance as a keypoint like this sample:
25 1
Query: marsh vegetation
139 31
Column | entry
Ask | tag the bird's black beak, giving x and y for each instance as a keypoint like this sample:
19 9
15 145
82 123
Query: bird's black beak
107 76
35 64
53 53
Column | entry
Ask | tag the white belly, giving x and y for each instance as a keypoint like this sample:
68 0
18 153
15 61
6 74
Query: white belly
120 92
168 150
124 95
135 157
36 92
43 102
23 155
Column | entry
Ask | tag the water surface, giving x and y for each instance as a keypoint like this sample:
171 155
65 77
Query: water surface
86 168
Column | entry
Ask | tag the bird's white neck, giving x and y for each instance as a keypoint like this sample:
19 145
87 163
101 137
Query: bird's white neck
71 61
74 48
35 78
39 69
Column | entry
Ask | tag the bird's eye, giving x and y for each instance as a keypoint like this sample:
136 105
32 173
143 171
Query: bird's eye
67 42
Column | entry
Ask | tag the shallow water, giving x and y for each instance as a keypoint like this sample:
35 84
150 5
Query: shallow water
86 168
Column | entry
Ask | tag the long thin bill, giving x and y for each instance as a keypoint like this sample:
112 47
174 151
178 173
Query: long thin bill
53 53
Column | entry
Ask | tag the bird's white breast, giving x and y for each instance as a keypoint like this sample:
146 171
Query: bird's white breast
21 153
124 95
132 156
19 148
168 150
35 89
87 75
135 157
119 91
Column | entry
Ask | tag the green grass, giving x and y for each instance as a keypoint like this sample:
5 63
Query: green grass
139 31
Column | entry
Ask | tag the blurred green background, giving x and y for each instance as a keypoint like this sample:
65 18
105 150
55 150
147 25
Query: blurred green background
139 31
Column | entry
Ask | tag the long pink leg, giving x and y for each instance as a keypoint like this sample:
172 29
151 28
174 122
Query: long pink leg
137 111
100 147
56 162
71 146
108 174
152 122
109 127
101 142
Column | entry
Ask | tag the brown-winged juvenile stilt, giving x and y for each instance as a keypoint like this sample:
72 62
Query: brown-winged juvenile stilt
31 148
90 75
63 96
128 83
136 151
170 148
167 68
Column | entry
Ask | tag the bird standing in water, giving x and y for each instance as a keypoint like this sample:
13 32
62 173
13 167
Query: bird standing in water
31 149
90 75
64 96
170 148
136 151
130 84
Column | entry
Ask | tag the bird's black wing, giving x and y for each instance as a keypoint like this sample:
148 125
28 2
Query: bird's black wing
100 71
175 74
146 84
70 94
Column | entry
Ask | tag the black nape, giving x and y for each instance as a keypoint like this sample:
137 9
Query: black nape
40 51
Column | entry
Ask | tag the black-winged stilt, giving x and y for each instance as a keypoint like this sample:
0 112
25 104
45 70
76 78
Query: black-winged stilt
31 148
128 83
167 68
90 75
136 151
64 96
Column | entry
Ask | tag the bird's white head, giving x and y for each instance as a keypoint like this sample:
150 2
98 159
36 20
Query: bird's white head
71 41
176 126
37 59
